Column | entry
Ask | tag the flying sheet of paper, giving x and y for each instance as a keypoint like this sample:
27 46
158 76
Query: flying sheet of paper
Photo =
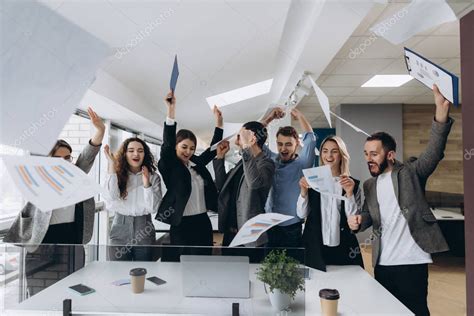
323 100
429 73
50 183
256 226
418 16
350 124
316 151
47 63
320 179
230 130
174 74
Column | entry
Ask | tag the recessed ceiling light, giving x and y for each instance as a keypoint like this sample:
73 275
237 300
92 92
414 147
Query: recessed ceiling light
387 81
240 94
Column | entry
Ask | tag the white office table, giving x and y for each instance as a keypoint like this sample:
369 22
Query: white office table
360 294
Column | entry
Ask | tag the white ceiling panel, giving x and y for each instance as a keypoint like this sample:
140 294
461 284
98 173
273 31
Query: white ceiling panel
361 66
439 47
345 80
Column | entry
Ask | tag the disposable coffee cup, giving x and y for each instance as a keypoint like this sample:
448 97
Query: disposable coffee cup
329 299
137 279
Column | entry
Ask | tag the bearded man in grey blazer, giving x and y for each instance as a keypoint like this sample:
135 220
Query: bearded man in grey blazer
405 231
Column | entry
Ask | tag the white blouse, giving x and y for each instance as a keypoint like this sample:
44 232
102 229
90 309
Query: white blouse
140 200
197 201
330 212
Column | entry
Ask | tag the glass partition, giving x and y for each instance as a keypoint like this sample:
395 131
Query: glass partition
177 281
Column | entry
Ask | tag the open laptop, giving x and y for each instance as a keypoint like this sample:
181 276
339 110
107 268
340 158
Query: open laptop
215 276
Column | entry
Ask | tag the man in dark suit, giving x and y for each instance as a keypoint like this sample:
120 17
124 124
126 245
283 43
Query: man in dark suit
405 232
244 190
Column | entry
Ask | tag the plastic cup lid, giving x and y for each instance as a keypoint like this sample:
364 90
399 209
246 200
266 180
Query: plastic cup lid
138 272
329 294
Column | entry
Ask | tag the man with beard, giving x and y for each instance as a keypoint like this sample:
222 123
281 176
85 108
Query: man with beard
404 229
289 164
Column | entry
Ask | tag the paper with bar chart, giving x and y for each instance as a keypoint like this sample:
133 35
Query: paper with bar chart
256 226
50 183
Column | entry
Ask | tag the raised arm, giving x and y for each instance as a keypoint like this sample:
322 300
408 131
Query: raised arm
207 156
427 162
306 153
85 161
219 166
168 148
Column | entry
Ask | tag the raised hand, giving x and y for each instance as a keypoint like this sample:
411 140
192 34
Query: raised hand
442 106
296 114
146 177
99 126
348 185
222 149
218 116
354 221
304 187
170 101
108 154
275 113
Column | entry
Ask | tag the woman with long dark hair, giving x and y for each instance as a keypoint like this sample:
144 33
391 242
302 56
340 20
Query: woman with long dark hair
135 193
326 237
191 191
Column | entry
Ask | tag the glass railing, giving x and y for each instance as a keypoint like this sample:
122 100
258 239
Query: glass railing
159 280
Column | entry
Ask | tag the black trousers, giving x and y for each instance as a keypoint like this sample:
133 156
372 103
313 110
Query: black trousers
286 236
193 231
408 283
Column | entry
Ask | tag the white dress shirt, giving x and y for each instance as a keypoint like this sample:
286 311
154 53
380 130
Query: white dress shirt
397 244
330 213
197 202
140 200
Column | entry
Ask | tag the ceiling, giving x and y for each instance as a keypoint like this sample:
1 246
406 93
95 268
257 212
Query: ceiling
224 45
343 77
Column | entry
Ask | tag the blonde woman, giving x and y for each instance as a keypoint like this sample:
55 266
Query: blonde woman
326 236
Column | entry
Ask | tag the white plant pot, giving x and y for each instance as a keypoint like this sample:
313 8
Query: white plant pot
280 301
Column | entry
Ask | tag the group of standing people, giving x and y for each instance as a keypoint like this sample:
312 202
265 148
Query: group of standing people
405 232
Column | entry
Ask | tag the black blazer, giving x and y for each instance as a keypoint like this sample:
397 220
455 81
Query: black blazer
313 236
178 179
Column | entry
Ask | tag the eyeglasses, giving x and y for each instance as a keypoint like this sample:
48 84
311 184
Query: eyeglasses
67 158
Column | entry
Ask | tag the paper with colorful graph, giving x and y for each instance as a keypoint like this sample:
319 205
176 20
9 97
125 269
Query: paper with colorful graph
256 226
50 183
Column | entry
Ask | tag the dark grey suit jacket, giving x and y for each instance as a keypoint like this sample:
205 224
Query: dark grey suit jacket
31 224
409 181
253 189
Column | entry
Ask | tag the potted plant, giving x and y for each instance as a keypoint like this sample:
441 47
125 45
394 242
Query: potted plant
283 275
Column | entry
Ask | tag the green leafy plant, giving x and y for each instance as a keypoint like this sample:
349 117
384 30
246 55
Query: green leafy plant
282 272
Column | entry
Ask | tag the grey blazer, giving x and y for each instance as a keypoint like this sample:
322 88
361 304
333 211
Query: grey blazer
409 181
31 224
253 189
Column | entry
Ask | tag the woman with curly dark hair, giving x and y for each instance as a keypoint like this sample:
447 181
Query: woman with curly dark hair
135 193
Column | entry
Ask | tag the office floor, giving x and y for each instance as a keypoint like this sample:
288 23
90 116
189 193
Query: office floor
447 284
